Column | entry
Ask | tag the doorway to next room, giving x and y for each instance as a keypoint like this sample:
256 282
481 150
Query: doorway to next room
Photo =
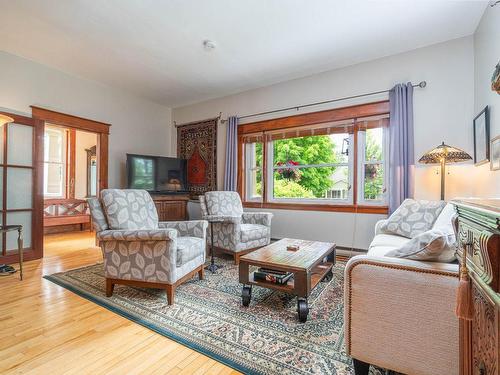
70 168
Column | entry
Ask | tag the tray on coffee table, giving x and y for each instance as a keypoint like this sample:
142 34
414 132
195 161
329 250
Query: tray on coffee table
310 264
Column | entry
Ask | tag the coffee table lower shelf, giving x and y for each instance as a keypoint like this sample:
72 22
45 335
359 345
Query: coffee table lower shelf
318 273
301 284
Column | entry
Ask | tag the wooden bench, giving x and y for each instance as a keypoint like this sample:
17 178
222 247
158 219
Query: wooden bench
58 212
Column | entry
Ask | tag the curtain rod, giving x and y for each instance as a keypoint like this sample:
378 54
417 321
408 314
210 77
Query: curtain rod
421 85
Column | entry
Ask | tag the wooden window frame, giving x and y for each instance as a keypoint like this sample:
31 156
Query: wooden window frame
380 108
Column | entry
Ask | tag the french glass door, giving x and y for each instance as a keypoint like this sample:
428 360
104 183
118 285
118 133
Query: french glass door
20 180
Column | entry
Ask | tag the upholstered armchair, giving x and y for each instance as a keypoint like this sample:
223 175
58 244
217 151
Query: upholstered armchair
235 232
140 251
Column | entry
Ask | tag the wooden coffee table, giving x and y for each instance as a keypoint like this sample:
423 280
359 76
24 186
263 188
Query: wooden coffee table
312 263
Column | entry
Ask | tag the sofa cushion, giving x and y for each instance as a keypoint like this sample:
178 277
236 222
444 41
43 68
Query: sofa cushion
413 217
435 245
251 232
445 217
189 248
384 243
129 209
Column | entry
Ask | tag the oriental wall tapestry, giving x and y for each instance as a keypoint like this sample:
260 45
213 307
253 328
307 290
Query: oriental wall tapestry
197 142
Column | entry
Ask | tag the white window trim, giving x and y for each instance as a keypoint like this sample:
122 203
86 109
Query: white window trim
249 162
322 201
361 170
62 163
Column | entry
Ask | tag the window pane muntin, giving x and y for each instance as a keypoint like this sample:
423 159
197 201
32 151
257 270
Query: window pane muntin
310 150
53 180
253 173
19 144
373 183
19 188
372 166
54 145
321 196
374 144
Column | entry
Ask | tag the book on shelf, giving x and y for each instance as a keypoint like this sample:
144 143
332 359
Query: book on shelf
272 276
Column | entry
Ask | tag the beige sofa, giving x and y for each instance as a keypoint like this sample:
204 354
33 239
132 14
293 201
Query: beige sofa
399 313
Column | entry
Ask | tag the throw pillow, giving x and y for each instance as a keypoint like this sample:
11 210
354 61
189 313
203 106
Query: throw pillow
129 209
413 217
435 245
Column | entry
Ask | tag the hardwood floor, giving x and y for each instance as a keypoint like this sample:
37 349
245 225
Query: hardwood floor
45 329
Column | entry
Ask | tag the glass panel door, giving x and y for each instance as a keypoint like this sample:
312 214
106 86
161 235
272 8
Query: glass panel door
18 186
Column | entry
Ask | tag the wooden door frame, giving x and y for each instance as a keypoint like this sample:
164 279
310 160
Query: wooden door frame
80 123
36 249
101 129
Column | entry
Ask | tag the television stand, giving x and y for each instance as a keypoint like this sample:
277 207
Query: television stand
171 206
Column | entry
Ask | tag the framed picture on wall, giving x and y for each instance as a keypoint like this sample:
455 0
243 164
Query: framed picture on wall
481 128
495 153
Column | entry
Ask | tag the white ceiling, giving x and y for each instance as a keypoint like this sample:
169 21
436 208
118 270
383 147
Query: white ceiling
154 47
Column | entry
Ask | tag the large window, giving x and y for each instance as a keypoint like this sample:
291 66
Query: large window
325 164
54 165
313 168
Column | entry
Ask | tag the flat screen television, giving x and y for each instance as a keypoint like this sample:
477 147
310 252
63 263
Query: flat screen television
156 174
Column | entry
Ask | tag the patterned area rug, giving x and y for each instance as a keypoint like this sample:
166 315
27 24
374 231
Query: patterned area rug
264 338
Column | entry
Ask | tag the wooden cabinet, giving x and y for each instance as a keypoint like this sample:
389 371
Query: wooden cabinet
479 243
171 207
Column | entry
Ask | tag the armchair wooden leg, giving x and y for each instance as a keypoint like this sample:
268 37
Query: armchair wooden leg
109 287
236 258
201 273
170 294
360 367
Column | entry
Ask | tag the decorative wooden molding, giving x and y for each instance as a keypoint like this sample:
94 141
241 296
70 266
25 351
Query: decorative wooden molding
70 121
479 250
337 114
71 163
20 119
382 210
102 161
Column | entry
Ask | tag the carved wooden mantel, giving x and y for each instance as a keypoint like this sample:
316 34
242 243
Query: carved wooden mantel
479 243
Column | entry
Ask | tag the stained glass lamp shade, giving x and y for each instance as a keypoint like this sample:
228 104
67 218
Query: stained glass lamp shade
444 154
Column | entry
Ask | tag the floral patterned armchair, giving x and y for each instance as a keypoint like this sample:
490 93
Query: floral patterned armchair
138 250
235 231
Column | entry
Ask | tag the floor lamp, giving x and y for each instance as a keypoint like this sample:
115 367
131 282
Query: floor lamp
444 154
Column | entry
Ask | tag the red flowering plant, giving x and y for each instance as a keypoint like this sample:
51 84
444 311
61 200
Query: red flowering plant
289 172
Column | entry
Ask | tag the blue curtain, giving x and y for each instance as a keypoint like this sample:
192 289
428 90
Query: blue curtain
401 145
230 170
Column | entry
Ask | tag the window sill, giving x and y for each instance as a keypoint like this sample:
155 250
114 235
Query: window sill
383 210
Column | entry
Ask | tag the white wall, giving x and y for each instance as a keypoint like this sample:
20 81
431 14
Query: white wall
486 56
138 125
443 112
83 141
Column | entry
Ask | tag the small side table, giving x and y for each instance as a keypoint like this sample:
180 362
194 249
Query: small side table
213 267
19 228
